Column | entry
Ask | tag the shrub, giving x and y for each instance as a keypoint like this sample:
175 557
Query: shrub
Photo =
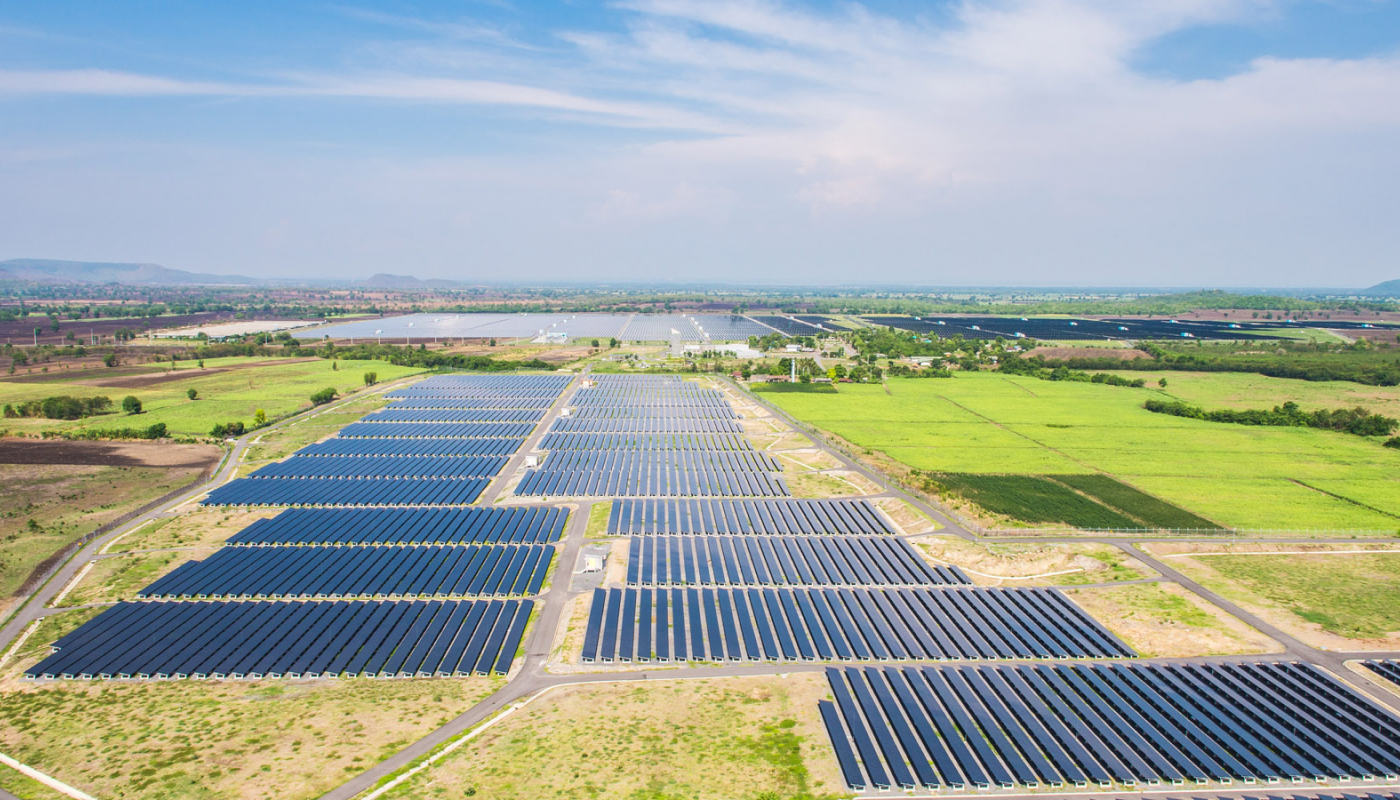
324 396
259 418
131 404
192 394
110 360
371 378
229 429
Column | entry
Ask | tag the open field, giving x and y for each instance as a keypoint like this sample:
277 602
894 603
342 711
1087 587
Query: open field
1328 596
229 390
1016 564
718 738
1241 391
51 506
1162 619
232 739
1233 475
120 577
195 527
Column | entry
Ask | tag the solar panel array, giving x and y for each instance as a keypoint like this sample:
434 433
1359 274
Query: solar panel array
660 328
381 527
1037 725
1390 670
293 639
352 590
736 517
781 561
729 328
419 456
840 624
792 326
650 436
987 327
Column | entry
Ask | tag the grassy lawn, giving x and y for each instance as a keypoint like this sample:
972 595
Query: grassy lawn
1035 564
1354 596
65 502
231 395
598 521
1164 620
215 740
699 739
1234 475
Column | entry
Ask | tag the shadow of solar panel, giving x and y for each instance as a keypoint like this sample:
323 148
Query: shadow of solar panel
292 639
1107 724
1389 669
845 624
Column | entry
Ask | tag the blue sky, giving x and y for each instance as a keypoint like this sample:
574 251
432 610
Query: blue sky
1013 142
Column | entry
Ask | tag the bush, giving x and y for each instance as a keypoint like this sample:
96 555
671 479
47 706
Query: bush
1357 421
371 378
192 394
61 407
111 360
259 418
229 429
324 396
131 404
1392 442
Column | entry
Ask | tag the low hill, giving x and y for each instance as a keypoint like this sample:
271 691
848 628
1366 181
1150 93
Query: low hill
384 280
1387 289
42 270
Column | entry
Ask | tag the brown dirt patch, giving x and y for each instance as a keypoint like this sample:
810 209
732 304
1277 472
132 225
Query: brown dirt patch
1056 353
107 454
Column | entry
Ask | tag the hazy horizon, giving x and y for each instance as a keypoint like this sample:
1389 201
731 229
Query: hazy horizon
971 144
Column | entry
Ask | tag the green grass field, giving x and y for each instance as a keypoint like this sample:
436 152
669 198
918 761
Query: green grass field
228 396
1234 475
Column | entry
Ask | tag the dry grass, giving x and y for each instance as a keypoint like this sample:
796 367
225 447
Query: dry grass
829 484
197 527
906 517
1165 620
597 527
808 459
215 740
1035 564
717 738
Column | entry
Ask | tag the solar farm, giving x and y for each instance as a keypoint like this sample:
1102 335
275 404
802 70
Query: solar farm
442 538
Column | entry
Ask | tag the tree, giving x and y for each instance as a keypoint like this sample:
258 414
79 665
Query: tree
612 342
1162 382
110 360
335 366
201 363
259 418
131 404
324 396
371 378
595 343
192 393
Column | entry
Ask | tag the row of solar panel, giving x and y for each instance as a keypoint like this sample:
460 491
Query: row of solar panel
792 326
400 404
742 517
729 328
289 573
437 391
436 430
383 467
840 624
647 460
456 415
645 441
483 385
382 527
1129 724
781 561
348 492
437 448
293 639
640 397
651 412
1390 670
668 425
659 481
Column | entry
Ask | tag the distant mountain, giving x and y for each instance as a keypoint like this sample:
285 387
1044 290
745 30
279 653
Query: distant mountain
41 270
384 280
1387 289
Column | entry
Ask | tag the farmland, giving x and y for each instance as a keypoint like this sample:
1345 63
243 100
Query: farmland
227 390
1231 475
